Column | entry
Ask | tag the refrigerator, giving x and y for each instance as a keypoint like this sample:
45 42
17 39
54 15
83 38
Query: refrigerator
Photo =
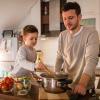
8 51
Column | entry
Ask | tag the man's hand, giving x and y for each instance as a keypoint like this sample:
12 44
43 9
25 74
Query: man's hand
80 89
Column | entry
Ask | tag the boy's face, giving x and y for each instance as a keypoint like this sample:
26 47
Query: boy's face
71 19
31 39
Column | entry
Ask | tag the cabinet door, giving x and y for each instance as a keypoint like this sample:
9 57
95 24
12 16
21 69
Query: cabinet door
44 18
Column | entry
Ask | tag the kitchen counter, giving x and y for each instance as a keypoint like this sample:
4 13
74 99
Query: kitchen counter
37 93
8 97
42 95
50 96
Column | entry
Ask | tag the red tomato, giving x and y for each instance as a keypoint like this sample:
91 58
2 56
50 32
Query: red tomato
9 80
0 85
7 83
5 87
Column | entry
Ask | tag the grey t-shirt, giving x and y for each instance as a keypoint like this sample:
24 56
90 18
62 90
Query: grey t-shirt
78 54
25 61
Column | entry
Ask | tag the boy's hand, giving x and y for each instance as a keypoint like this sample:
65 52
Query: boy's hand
40 66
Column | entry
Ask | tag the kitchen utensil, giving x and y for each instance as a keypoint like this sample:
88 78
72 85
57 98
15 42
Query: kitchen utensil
34 76
50 72
46 70
55 84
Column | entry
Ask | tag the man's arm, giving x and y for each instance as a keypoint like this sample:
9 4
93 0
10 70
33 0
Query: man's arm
58 64
85 78
59 58
91 58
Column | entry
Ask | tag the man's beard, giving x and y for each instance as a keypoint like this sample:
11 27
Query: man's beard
75 27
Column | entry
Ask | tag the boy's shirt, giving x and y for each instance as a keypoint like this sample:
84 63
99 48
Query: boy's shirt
25 61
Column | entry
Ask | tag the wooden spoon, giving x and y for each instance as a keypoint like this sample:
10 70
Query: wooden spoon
50 72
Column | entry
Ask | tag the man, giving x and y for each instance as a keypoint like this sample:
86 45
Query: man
78 49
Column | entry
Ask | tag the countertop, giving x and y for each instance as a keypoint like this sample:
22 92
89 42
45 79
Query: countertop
42 95
50 96
8 97
37 93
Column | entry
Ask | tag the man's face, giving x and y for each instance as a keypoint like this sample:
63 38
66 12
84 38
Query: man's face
71 19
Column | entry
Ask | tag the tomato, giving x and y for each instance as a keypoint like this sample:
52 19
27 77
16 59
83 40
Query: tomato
0 85
5 87
6 84
9 80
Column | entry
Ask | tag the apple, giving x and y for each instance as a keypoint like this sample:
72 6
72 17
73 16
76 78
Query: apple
19 86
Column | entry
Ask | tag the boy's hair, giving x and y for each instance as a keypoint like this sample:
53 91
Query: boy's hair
29 29
72 6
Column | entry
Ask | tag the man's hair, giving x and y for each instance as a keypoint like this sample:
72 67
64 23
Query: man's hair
29 29
72 6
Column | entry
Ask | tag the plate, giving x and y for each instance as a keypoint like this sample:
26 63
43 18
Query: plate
22 92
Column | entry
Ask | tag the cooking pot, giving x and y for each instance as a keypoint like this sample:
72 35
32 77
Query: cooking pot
57 83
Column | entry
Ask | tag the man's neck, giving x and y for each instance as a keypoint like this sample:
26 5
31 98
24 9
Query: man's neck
75 30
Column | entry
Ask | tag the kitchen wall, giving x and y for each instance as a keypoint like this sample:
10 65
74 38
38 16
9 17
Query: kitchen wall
49 47
91 10
33 17
12 12
54 15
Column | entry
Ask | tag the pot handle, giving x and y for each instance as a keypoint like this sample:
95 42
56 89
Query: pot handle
75 96
65 81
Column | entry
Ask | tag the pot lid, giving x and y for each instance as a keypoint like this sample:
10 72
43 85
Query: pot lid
57 75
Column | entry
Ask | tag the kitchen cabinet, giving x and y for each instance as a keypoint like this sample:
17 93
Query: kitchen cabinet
51 18
44 17
62 27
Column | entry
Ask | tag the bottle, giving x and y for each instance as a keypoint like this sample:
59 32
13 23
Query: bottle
39 60
39 56
45 10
